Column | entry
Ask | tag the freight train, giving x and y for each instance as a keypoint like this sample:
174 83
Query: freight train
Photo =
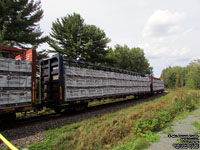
64 83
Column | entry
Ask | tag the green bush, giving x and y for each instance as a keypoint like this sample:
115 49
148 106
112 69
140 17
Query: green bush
157 120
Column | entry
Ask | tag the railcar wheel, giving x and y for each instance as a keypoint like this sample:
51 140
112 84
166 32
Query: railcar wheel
12 116
57 110
81 107
86 105
9 117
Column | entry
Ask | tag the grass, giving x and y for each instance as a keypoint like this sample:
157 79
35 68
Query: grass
127 129
168 130
197 125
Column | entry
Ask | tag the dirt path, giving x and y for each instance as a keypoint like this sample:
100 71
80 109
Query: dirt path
180 127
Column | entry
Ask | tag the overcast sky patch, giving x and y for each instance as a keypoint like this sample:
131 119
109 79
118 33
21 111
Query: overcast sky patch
163 23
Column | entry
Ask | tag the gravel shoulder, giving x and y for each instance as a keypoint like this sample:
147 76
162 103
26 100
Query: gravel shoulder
179 127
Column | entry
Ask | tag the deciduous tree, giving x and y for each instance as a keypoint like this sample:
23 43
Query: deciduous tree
132 59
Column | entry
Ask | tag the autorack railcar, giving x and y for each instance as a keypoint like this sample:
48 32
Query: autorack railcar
64 83
70 83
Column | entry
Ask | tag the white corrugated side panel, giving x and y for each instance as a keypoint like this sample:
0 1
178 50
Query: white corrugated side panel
19 97
4 81
149 89
128 83
109 82
4 62
67 70
28 81
97 82
4 98
116 90
114 82
22 81
130 77
83 72
23 66
92 92
86 79
22 96
125 82
90 82
67 93
70 81
118 82
101 74
74 93
122 83
14 97
19 65
132 83
28 66
134 89
95 73
83 93
14 65
28 96
105 91
78 71
81 82
99 91
14 81
106 73
122 90
88 73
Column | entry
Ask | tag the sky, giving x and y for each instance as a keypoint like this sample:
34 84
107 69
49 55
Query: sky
167 31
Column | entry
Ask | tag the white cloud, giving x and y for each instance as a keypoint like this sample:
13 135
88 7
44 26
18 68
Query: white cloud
163 23
161 51
161 34
160 56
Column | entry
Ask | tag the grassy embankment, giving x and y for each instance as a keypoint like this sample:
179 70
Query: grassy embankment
127 129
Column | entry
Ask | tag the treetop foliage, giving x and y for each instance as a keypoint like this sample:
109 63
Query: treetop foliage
183 76
19 23
132 59
71 37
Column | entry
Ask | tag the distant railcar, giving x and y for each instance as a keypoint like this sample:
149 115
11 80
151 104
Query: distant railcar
156 84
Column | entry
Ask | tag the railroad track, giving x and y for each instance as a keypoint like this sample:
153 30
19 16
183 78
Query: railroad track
30 126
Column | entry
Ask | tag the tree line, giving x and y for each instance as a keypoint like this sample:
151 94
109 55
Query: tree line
70 36
189 76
